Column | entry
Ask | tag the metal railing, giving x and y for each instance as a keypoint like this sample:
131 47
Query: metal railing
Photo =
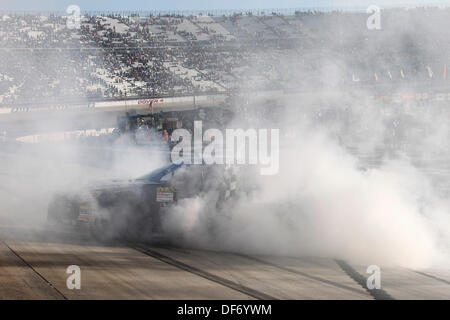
331 7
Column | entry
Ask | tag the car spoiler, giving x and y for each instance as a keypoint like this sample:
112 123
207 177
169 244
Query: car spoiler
158 174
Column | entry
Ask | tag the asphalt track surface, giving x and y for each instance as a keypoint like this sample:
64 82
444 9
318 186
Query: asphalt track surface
34 261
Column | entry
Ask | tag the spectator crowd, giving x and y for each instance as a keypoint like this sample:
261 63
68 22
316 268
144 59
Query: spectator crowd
114 56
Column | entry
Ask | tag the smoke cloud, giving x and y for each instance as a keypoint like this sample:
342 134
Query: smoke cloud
349 186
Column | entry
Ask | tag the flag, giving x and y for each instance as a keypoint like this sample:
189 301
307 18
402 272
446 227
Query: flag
150 105
402 74
390 74
430 72
444 73
376 77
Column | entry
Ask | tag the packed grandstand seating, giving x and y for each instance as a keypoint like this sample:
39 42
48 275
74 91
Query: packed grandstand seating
117 56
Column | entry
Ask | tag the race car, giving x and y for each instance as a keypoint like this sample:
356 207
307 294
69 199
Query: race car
119 208
134 209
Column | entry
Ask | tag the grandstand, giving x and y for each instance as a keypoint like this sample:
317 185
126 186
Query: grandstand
126 56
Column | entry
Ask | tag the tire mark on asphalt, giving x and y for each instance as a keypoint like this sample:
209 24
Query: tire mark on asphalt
222 281
35 271
431 276
306 275
377 294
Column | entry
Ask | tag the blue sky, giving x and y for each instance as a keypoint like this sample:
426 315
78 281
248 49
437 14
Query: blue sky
89 5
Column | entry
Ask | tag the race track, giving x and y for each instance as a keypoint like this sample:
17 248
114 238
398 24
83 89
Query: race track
33 264
34 258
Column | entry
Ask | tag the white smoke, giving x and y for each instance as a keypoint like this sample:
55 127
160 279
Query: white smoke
325 201
320 203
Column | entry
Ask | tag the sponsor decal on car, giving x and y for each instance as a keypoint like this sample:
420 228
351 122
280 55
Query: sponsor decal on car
84 214
164 194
